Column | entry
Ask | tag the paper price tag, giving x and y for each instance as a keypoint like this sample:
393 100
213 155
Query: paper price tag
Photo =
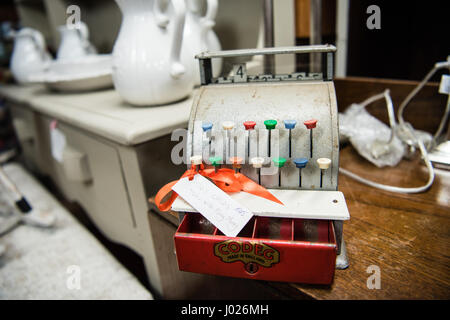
214 204
444 87
57 142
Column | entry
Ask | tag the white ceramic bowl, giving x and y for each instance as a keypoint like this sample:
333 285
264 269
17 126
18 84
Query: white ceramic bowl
91 72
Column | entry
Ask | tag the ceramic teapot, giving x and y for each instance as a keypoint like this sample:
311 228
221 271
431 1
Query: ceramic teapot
148 66
74 42
200 36
29 55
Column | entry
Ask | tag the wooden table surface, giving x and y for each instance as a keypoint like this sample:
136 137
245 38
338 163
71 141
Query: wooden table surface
406 236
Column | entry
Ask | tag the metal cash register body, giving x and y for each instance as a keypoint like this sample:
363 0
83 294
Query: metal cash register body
301 241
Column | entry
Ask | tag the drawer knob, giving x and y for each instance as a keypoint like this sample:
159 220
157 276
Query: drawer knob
251 267
75 165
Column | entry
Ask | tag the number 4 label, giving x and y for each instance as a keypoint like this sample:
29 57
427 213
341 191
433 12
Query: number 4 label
240 72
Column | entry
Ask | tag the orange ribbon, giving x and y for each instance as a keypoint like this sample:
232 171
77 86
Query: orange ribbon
226 179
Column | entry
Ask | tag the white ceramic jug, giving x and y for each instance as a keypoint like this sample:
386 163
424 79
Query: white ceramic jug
148 67
74 42
199 35
29 55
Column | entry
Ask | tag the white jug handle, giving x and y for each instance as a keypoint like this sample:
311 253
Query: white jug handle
211 10
207 21
83 30
179 10
162 19
39 41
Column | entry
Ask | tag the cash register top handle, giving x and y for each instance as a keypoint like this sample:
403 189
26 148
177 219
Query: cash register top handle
206 66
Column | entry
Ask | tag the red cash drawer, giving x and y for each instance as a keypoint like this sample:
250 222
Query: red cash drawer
274 249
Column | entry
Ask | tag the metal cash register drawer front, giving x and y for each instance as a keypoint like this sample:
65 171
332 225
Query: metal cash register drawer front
274 249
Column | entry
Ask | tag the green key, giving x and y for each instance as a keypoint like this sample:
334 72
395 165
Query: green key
270 125
216 162
279 162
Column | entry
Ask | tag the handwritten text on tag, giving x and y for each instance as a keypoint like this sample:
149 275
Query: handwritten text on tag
214 204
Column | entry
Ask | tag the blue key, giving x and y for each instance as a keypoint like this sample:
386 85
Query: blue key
290 124
300 163
206 126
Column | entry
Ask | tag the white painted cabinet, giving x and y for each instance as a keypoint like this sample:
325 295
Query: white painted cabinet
115 158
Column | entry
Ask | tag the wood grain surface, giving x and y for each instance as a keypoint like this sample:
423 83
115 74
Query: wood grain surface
406 236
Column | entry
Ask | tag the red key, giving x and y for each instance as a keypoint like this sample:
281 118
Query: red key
310 124
249 125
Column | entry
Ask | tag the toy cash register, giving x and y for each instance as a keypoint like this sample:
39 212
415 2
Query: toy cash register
281 131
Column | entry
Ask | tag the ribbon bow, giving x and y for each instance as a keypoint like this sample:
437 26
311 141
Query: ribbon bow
226 179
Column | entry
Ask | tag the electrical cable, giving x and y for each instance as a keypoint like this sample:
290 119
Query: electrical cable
412 94
409 130
444 120
412 137
390 107
398 189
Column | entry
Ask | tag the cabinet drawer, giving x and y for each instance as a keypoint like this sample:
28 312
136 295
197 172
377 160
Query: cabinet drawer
91 174
274 249
24 125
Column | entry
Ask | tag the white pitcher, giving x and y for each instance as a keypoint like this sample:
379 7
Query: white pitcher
29 55
200 36
74 42
148 67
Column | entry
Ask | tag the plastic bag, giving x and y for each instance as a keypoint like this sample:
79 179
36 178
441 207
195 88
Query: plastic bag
370 137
